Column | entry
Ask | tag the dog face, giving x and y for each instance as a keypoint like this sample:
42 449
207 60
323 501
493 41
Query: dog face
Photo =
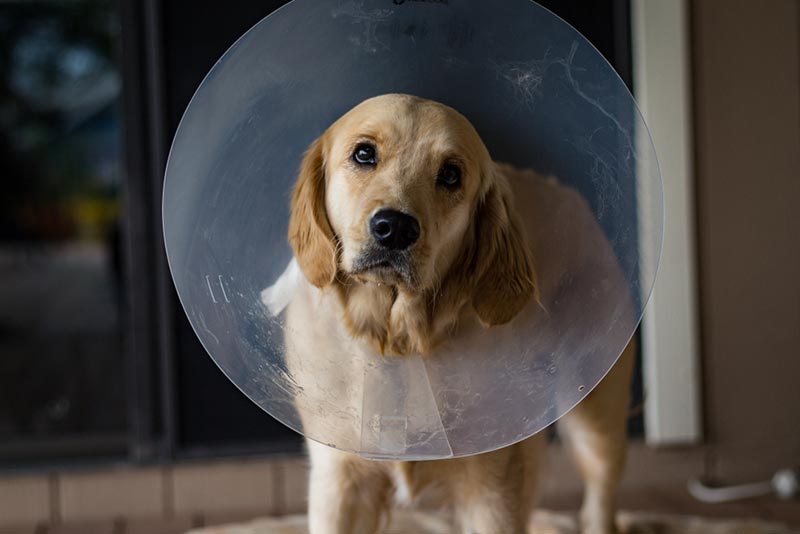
401 192
403 175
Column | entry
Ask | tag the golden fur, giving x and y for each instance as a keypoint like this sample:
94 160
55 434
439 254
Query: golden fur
472 260
493 267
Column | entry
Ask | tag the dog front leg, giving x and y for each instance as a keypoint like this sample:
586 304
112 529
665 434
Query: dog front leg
347 494
493 490
491 512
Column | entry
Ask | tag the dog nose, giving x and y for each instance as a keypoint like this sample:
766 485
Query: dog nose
394 229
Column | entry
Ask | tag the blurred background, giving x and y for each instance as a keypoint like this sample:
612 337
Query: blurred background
113 418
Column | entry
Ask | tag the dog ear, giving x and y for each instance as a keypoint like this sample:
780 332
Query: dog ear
502 267
310 233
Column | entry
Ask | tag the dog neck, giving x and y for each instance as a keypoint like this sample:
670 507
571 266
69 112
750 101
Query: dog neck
394 320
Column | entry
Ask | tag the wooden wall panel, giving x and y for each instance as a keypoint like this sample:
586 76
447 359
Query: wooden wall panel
746 59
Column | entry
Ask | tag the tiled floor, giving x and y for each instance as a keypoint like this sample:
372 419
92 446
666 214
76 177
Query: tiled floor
171 500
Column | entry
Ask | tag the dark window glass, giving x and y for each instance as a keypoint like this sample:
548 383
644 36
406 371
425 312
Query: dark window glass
61 361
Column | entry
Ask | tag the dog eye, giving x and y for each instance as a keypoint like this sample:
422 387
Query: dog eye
364 154
449 176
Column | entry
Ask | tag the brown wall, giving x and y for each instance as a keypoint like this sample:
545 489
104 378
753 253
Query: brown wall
746 61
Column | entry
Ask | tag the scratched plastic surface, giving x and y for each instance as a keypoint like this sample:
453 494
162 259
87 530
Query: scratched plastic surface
540 96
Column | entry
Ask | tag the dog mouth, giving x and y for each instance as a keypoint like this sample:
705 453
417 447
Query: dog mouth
382 266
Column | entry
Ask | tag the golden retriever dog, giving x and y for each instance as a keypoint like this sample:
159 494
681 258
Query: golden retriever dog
404 229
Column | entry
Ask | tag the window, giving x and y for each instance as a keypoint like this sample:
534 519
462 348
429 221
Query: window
61 359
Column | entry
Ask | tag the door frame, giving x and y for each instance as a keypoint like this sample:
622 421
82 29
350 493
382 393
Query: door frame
670 333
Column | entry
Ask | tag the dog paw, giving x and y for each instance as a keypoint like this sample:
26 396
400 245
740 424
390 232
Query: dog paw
601 528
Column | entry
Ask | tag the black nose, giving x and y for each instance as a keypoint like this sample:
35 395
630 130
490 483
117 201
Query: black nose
394 229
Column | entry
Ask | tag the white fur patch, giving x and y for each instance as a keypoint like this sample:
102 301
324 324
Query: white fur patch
277 296
402 491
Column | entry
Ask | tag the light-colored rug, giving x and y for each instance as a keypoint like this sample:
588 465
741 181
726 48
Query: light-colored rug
543 523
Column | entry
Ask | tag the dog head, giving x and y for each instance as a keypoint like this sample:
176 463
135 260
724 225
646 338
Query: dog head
401 192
